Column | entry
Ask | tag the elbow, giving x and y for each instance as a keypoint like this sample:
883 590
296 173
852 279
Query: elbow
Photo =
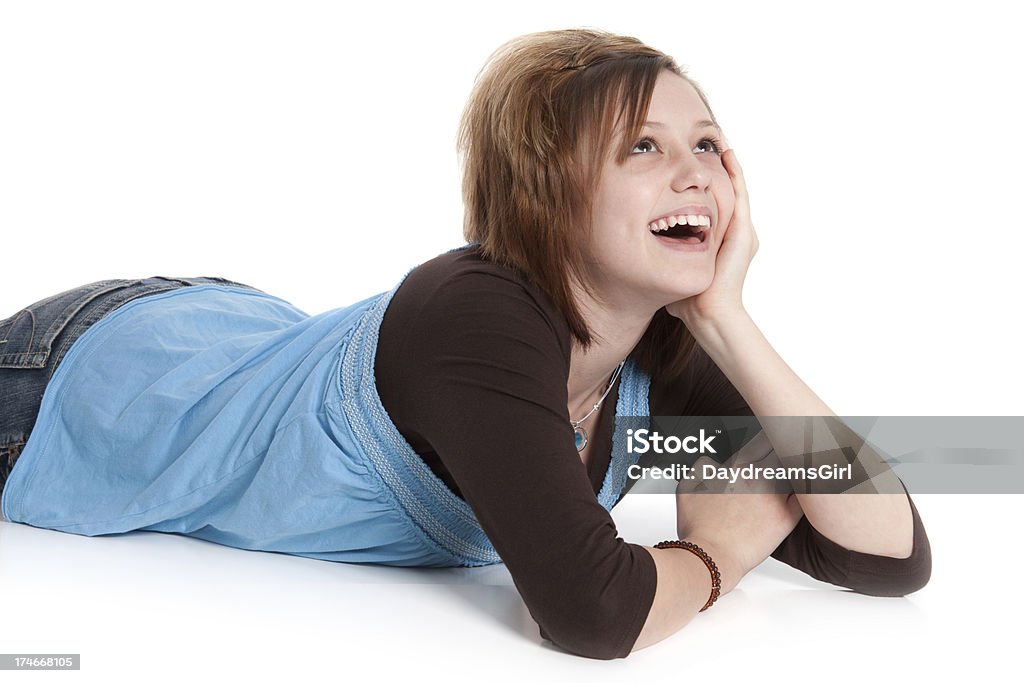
597 611
916 581
897 585
894 578
590 632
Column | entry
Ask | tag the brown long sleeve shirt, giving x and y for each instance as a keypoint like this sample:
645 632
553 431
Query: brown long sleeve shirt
472 366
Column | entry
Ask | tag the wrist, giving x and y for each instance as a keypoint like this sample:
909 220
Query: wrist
714 329
729 569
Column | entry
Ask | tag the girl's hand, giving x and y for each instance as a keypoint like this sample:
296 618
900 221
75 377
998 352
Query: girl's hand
739 244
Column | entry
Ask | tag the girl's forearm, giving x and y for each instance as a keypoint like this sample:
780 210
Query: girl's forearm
880 524
684 585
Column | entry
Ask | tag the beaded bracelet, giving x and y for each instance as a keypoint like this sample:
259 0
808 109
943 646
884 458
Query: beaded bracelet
716 577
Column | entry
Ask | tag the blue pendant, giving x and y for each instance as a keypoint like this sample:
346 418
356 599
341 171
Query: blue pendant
581 438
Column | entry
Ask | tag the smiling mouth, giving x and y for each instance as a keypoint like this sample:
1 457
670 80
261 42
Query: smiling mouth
689 234
687 227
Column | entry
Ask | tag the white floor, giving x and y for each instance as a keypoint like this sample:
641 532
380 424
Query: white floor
156 606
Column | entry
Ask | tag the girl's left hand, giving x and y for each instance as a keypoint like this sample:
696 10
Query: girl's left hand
739 244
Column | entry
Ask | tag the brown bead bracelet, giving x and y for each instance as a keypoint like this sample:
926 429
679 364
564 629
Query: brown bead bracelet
716 577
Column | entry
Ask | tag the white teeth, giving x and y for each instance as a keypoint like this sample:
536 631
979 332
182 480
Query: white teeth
671 221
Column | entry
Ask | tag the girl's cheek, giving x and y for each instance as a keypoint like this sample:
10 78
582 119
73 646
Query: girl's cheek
725 185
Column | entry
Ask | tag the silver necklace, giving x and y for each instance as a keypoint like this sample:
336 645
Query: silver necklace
581 434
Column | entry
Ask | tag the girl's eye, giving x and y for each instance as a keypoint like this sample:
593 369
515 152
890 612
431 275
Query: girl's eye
716 145
644 146
648 145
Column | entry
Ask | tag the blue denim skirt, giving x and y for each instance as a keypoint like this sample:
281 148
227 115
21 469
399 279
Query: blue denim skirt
35 339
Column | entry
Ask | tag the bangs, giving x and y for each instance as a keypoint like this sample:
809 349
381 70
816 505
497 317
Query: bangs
606 105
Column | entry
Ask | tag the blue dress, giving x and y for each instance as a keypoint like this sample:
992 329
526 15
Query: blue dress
229 415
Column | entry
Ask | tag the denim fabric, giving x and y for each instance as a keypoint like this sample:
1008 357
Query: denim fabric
34 340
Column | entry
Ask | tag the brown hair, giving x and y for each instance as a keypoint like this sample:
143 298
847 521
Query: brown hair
541 114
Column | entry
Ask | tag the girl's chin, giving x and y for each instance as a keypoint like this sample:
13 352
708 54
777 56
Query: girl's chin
692 287
669 300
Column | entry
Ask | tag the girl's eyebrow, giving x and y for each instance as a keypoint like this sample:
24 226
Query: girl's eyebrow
700 124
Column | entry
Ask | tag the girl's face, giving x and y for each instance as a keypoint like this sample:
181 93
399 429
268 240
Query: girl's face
674 169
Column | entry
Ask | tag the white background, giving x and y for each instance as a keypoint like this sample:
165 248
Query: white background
307 148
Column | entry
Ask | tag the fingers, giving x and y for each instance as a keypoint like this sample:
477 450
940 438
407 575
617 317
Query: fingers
732 165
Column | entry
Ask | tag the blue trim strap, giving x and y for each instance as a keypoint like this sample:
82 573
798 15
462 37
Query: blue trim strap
443 520
633 400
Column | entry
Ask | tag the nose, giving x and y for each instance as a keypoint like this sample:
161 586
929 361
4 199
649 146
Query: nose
690 173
